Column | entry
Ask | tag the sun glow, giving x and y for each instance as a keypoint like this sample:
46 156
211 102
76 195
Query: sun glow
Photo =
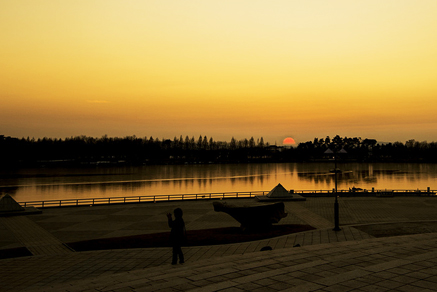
289 142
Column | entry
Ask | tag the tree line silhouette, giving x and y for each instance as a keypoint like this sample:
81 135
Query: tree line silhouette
132 150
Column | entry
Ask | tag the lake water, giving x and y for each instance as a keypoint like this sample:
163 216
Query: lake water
61 183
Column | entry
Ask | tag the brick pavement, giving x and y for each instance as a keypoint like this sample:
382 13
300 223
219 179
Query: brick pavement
407 263
350 259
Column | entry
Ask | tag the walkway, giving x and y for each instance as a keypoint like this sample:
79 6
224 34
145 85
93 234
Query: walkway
405 264
350 259
44 271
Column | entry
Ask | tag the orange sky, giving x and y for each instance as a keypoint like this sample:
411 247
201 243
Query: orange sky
247 68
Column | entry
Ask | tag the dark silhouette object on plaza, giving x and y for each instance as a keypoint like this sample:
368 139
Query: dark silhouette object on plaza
201 237
253 216
177 235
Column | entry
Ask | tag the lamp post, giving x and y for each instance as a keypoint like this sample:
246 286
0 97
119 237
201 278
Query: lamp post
336 207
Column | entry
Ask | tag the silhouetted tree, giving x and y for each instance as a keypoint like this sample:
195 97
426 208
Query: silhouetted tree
83 150
233 144
251 142
199 142
205 143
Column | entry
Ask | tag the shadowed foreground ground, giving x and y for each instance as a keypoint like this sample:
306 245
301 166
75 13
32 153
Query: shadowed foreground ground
215 236
348 260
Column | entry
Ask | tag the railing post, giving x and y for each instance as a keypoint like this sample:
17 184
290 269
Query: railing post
60 203
42 204
109 200
77 202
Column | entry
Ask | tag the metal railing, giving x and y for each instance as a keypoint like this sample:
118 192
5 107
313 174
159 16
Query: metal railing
225 195
140 199
367 192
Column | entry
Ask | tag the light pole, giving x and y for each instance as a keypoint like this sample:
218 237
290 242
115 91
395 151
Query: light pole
336 208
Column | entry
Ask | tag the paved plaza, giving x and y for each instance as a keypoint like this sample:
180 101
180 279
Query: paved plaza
386 244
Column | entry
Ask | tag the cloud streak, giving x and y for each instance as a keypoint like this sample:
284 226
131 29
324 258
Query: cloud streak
97 101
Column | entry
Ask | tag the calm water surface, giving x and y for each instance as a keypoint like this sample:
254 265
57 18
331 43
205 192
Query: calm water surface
47 184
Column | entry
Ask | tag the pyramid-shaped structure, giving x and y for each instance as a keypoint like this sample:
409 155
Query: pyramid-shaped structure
8 204
279 192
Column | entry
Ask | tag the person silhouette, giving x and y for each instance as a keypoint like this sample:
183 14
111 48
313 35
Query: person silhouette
177 235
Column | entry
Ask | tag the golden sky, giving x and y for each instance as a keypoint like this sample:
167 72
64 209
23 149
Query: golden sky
225 68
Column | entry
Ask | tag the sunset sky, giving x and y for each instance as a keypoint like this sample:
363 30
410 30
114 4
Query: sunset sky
221 69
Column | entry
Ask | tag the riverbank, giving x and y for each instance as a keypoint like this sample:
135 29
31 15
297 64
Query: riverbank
294 195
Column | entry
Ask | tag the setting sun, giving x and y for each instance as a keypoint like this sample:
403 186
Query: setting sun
288 141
